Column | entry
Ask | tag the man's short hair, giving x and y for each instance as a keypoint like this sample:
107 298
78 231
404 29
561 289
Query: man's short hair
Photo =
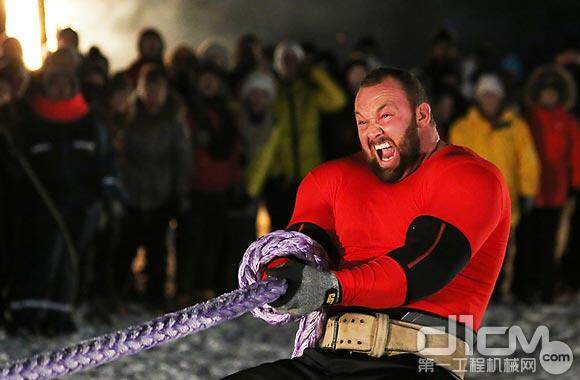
413 88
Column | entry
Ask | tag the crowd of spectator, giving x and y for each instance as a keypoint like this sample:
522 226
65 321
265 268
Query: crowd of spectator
179 151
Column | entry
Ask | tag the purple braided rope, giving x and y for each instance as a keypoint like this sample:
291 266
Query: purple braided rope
132 340
278 244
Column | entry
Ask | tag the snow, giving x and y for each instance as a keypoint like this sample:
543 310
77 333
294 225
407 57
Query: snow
245 342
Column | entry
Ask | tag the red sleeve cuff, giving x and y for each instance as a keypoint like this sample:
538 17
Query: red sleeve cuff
380 283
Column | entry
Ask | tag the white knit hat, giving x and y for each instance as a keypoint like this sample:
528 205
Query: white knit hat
488 83
259 80
284 47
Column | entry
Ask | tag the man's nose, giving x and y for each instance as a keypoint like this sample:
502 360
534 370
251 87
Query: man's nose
374 130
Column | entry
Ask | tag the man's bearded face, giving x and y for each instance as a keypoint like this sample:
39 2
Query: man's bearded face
387 130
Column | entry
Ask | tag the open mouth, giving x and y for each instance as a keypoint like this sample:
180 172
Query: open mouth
385 151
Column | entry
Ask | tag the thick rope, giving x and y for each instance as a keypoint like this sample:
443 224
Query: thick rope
253 295
132 340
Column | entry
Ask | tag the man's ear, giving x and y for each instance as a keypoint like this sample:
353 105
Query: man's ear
423 115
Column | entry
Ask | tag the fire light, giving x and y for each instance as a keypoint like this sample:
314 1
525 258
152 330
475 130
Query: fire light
23 23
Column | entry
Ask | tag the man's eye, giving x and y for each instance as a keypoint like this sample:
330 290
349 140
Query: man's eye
385 116
361 122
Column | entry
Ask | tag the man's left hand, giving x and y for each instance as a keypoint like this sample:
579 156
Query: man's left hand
308 288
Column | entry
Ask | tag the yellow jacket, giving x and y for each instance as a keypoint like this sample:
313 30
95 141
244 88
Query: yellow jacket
308 98
510 147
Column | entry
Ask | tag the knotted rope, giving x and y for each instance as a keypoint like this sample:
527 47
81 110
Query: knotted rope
253 295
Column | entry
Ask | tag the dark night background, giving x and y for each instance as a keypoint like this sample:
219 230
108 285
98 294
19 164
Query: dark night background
532 28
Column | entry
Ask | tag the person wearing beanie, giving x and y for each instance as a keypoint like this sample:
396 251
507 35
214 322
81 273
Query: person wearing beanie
69 152
257 95
499 134
304 93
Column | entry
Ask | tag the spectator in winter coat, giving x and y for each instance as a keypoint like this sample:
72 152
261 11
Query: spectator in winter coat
555 134
255 114
568 57
155 166
69 155
502 137
217 189
303 94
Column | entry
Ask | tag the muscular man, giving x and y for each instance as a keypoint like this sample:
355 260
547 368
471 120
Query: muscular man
418 229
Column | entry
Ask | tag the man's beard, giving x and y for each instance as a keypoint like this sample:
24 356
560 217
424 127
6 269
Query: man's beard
409 155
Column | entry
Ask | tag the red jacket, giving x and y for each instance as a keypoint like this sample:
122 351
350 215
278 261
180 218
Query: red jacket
556 134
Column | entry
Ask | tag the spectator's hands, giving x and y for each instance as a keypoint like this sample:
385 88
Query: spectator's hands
308 288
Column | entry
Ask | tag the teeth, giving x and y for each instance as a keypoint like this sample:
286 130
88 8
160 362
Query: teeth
382 146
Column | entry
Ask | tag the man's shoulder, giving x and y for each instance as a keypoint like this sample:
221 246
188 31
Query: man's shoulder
457 162
461 177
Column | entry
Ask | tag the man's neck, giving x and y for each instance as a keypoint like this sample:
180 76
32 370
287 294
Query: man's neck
427 152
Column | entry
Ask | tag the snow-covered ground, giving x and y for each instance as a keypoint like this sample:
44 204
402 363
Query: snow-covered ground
246 342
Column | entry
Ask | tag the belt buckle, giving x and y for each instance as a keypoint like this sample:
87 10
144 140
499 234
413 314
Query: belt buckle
330 333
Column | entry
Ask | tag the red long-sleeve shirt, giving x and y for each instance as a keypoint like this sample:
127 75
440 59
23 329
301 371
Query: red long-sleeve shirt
367 219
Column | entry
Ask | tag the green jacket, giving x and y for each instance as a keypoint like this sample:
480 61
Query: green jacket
298 104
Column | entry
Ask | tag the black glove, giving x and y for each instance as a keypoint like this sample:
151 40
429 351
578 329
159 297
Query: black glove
308 288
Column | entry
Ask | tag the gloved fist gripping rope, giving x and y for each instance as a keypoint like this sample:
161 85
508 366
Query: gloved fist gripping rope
308 288
271 250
